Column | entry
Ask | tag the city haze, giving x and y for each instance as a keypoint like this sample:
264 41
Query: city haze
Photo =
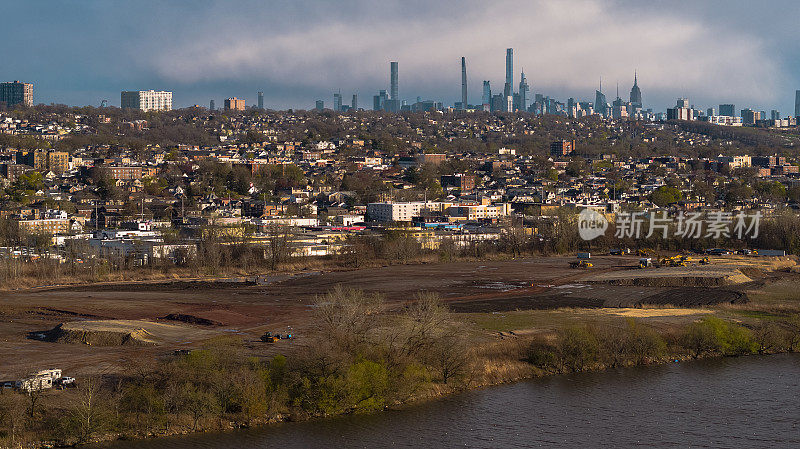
297 52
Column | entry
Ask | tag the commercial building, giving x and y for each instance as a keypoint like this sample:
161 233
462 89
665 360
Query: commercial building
320 105
727 109
486 99
682 111
636 93
47 226
261 100
15 93
395 88
797 103
463 83
459 181
749 116
522 103
508 88
600 102
337 102
394 211
234 104
146 100
725 120
130 173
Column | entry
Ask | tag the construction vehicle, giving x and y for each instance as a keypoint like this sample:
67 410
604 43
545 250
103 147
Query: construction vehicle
675 261
269 338
704 261
584 264
645 262
646 252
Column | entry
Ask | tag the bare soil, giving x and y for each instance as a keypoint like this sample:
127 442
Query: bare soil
200 310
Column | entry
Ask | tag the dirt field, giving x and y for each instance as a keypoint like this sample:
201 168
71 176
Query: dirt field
196 311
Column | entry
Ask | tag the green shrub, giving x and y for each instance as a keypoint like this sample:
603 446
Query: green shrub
712 335
578 348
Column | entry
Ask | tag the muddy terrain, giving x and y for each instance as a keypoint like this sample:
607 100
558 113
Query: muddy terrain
183 314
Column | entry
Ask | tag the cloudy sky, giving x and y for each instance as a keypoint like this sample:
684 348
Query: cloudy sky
714 51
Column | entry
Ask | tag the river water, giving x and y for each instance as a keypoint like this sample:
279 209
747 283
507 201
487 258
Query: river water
748 402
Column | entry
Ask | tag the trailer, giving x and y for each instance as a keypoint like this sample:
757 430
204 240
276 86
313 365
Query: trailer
42 380
771 252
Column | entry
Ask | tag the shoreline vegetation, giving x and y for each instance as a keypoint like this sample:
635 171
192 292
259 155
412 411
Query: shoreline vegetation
364 357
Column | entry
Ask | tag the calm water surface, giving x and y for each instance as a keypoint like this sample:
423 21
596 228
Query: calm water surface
749 402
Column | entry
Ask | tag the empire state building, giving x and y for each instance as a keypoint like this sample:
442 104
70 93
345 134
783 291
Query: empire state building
636 94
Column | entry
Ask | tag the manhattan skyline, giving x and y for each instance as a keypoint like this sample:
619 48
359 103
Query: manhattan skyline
296 53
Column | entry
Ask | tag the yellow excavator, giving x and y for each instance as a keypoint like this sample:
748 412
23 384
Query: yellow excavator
581 264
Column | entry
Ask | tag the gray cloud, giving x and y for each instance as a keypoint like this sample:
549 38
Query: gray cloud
298 51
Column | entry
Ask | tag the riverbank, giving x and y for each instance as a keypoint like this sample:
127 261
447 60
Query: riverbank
220 388
730 402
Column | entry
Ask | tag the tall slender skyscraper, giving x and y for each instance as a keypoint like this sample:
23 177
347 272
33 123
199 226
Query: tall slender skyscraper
354 103
463 83
261 100
508 89
797 103
636 93
523 91
211 105
487 93
394 87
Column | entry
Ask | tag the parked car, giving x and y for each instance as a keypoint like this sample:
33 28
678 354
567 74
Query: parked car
65 382
718 252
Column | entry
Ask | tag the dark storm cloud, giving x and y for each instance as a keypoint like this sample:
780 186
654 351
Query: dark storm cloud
296 52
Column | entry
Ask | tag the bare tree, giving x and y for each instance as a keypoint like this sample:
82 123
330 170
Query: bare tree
346 316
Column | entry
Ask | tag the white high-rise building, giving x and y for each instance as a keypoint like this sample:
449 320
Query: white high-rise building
146 100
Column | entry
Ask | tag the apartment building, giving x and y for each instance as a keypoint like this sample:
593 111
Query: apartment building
146 100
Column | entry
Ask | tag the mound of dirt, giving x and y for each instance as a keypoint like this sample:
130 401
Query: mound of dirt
101 333
190 319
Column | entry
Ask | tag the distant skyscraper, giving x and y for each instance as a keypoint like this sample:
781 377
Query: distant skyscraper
146 100
711 112
379 101
211 105
16 93
636 93
261 100
337 102
727 109
600 103
523 92
354 103
463 83
320 105
683 103
487 93
394 90
509 86
797 103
